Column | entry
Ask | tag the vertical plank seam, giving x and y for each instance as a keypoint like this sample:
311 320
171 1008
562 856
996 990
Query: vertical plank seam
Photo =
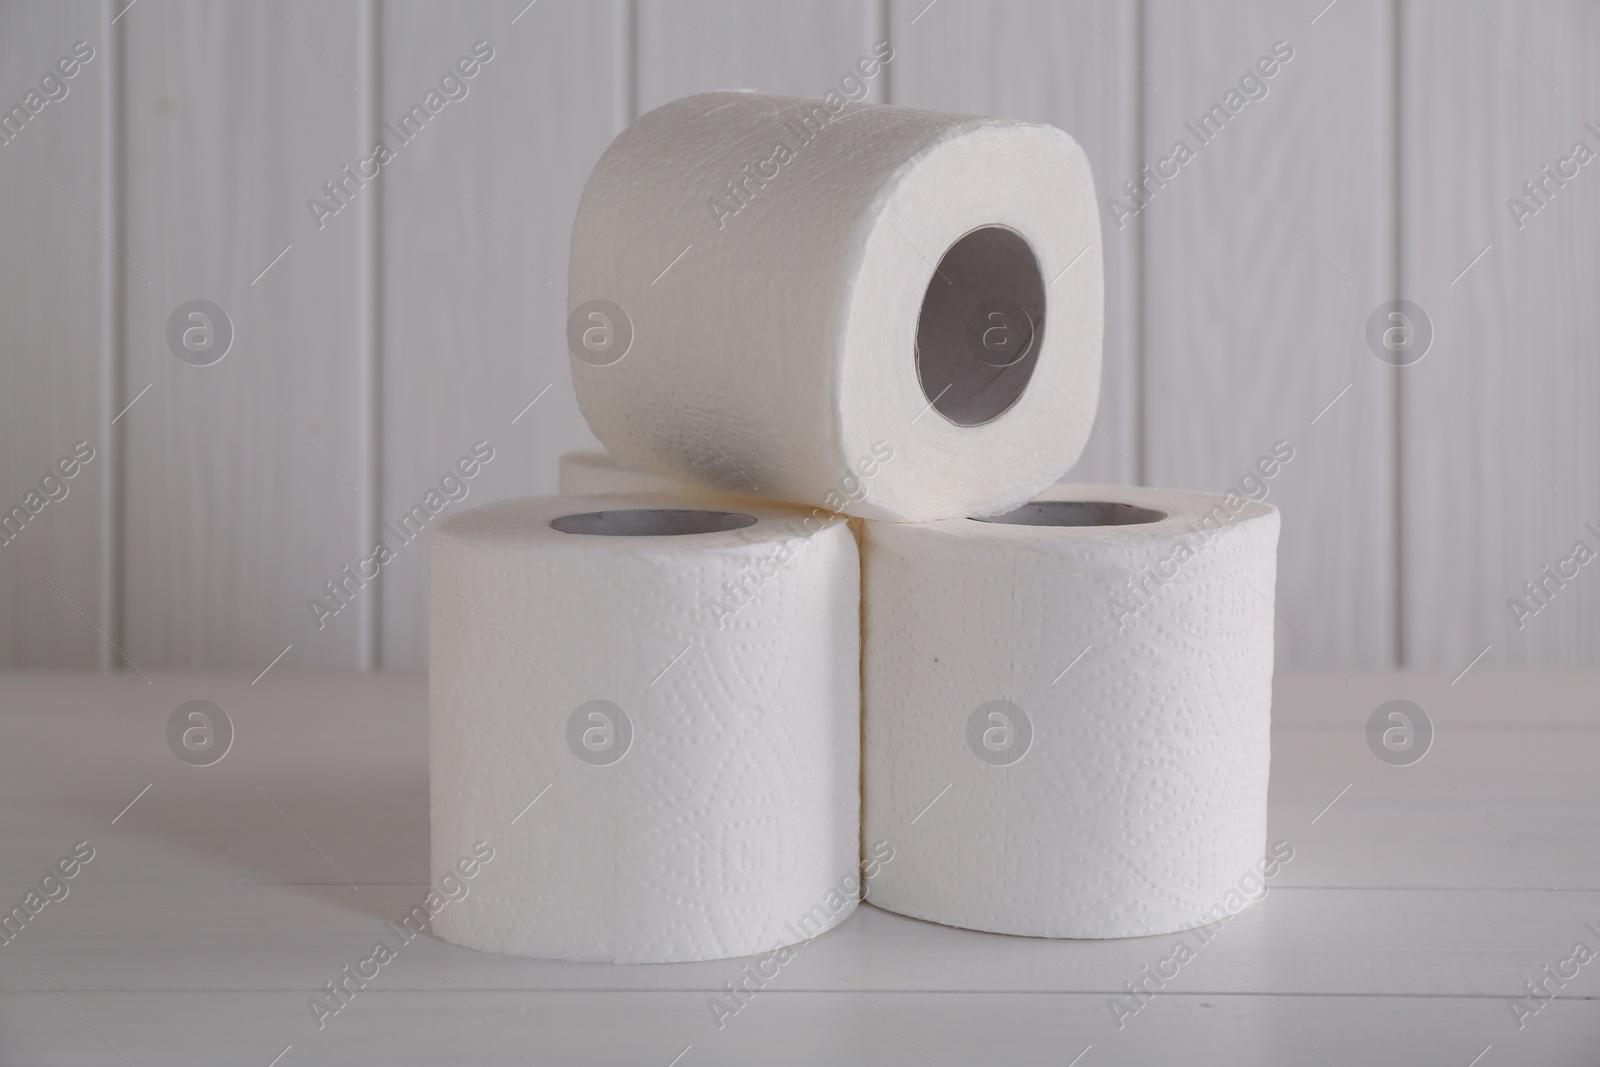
1397 281
625 103
113 350
369 283
1136 325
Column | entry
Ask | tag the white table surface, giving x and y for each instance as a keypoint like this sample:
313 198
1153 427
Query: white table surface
1415 907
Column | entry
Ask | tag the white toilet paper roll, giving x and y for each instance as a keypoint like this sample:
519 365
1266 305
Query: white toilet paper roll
591 471
1066 712
887 312
652 717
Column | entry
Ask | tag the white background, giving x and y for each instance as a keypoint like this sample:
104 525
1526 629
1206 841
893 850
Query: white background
427 314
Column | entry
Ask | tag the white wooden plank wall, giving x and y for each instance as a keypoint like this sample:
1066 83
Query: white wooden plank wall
426 313
477 216
55 290
1500 436
242 486
1264 255
690 46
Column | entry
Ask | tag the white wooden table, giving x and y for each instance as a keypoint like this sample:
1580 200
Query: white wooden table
1416 906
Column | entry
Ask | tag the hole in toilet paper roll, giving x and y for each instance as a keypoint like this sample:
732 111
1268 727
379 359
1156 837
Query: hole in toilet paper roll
651 522
1077 513
981 327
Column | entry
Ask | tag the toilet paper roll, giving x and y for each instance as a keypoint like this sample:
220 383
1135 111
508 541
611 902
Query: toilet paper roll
651 718
591 471
877 310
1066 712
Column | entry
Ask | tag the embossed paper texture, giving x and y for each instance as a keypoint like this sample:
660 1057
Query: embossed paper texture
782 350
1133 662
682 712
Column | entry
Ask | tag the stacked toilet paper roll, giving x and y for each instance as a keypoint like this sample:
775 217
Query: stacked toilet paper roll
1066 711
651 717
650 707
772 297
